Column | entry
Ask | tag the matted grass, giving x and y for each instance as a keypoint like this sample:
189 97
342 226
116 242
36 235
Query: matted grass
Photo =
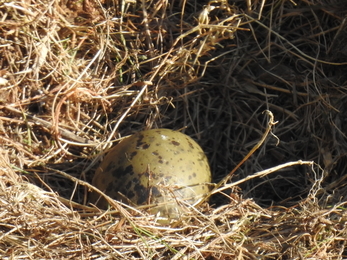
78 76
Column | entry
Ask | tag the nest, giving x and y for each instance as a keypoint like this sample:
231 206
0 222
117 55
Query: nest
78 76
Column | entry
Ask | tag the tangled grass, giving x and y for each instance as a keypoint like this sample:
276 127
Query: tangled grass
78 76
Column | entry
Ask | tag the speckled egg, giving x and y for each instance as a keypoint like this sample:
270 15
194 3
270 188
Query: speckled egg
158 167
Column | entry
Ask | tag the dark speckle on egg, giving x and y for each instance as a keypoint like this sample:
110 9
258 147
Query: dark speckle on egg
141 193
130 194
110 187
155 192
108 168
139 139
175 143
145 146
119 172
128 185
128 170
131 156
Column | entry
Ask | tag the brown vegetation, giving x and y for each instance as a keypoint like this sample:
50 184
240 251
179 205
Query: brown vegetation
77 76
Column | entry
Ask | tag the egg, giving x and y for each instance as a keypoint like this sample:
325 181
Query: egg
159 167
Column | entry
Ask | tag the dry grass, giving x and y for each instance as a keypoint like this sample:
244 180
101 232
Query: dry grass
77 76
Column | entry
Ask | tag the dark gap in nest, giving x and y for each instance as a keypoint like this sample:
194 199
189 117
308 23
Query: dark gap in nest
66 188
285 188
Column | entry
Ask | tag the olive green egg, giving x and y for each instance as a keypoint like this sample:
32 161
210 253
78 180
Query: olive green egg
159 167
